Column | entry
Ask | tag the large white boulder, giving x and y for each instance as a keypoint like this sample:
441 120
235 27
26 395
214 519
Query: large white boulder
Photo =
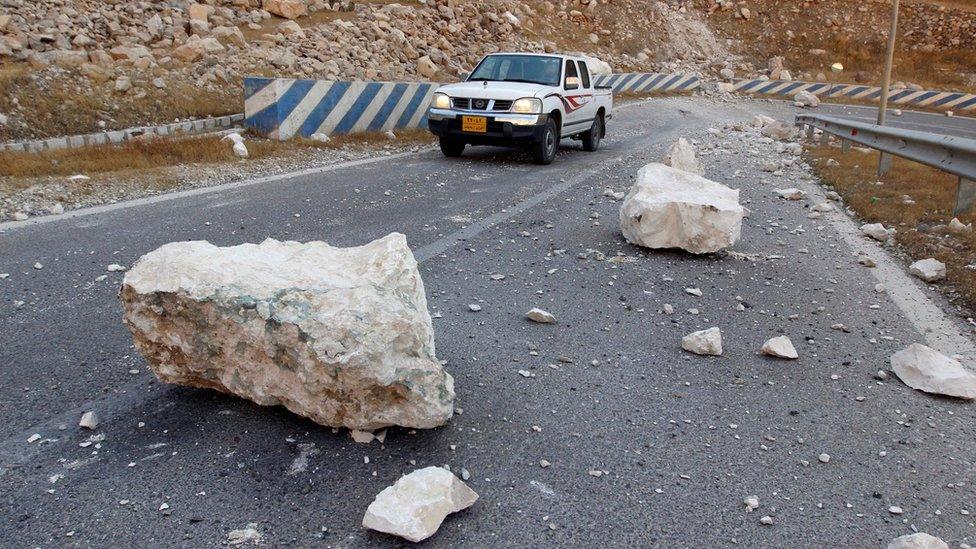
416 505
920 540
598 67
672 208
928 370
705 342
806 99
682 156
339 335
929 270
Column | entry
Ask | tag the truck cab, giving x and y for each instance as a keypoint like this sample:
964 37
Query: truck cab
526 100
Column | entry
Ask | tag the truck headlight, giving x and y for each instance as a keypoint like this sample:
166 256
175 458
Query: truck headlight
440 101
527 105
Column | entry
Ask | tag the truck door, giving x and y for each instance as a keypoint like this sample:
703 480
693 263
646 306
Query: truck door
577 101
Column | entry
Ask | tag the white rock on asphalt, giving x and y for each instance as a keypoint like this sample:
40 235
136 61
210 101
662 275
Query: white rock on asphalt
876 231
89 420
540 316
751 503
115 268
806 99
671 208
339 335
248 535
778 130
780 347
705 342
920 540
928 370
416 505
682 156
790 193
929 270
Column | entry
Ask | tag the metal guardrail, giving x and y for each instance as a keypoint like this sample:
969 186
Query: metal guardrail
955 155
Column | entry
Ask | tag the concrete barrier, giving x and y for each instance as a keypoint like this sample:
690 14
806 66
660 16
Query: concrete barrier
645 82
826 91
281 108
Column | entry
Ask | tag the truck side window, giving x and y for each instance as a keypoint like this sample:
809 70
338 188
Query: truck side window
584 74
572 76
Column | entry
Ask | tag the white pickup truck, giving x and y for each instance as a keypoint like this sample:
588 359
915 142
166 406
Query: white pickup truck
522 100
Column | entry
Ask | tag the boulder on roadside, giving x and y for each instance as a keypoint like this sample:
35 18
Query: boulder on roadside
672 208
928 370
704 342
416 505
806 99
920 540
339 335
778 130
780 347
876 231
929 270
682 156
426 67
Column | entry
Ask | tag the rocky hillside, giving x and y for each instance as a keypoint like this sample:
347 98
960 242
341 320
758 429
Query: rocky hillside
69 66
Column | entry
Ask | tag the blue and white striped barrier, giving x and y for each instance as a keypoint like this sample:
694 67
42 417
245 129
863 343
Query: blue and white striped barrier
924 98
281 108
644 82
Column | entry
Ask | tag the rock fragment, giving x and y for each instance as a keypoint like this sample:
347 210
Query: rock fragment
929 270
339 335
704 342
876 231
540 316
780 347
682 156
671 208
790 194
416 505
928 370
89 420
920 540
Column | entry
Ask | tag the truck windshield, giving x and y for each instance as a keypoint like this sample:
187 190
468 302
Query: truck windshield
534 69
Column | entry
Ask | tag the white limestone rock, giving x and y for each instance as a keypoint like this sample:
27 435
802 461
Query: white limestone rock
682 156
876 231
790 193
240 150
671 208
920 540
780 347
416 505
928 370
339 335
929 270
806 99
705 342
540 316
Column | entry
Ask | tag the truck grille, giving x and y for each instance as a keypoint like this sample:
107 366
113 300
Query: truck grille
469 104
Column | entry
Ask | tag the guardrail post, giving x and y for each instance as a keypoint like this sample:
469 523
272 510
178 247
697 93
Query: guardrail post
824 138
845 145
809 131
965 196
884 164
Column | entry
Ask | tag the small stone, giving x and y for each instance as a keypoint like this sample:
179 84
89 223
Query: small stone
766 520
704 342
89 420
474 307
895 510
751 503
115 268
780 347
929 270
918 541
540 316
824 458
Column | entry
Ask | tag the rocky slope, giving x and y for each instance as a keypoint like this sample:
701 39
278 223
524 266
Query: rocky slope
69 66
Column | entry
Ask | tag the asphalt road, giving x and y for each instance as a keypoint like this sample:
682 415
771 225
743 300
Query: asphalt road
682 439
959 125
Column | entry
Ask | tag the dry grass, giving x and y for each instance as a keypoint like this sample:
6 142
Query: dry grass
59 107
158 153
921 225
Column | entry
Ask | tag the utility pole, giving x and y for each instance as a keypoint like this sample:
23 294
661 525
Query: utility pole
884 164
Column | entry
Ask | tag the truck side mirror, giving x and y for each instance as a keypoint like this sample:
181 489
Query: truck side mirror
572 83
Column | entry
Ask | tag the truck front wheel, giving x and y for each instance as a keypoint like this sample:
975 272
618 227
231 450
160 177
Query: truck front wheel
591 139
451 147
544 151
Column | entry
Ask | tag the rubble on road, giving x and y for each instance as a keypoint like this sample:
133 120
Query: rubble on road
920 540
540 316
806 99
89 420
928 370
671 208
790 194
416 505
682 156
929 270
704 342
876 231
339 335
780 347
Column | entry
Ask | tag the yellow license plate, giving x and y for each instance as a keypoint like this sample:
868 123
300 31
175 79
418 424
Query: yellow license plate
478 124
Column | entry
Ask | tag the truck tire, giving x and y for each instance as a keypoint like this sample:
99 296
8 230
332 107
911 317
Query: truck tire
451 148
544 152
591 139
